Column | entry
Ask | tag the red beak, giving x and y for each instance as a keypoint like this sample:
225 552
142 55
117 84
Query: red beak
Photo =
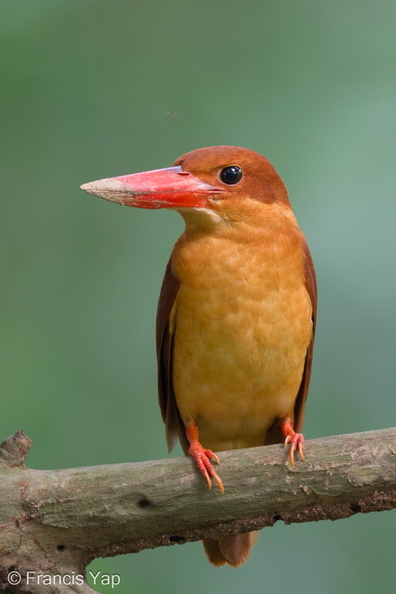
161 188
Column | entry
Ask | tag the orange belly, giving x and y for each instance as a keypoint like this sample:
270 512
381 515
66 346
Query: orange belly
242 323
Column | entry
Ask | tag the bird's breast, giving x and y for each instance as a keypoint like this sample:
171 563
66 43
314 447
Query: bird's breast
242 325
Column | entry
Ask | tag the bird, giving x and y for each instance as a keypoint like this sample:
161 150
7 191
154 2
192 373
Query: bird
236 313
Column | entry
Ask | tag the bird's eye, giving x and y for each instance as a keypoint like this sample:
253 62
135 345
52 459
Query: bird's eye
231 175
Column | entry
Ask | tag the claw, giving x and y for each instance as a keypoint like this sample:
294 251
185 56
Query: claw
202 457
296 440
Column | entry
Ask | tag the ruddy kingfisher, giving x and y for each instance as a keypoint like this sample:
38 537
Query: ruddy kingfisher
236 313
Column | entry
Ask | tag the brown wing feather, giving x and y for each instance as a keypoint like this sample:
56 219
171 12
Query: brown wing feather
310 283
274 434
170 413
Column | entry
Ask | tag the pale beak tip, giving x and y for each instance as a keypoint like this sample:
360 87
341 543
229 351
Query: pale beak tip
109 189
87 187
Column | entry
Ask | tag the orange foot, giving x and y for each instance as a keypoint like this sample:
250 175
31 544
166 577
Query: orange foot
296 440
203 457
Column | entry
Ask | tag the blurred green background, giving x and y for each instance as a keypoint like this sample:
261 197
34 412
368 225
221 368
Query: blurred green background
95 89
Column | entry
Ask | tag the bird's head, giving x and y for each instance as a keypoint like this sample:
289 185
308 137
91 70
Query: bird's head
226 182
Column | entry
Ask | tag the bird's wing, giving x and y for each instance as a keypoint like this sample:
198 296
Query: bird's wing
165 335
274 434
310 284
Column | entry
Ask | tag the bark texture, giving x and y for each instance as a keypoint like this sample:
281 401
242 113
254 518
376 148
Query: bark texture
57 521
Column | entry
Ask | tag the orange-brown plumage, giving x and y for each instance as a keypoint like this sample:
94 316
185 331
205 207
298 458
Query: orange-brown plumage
236 314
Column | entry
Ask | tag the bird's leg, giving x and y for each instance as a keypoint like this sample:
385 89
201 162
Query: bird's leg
296 440
202 457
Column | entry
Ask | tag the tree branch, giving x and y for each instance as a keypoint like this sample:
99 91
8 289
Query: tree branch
57 521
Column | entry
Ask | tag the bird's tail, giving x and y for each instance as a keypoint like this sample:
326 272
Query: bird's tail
234 550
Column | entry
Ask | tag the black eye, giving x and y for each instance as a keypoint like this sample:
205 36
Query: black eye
231 175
